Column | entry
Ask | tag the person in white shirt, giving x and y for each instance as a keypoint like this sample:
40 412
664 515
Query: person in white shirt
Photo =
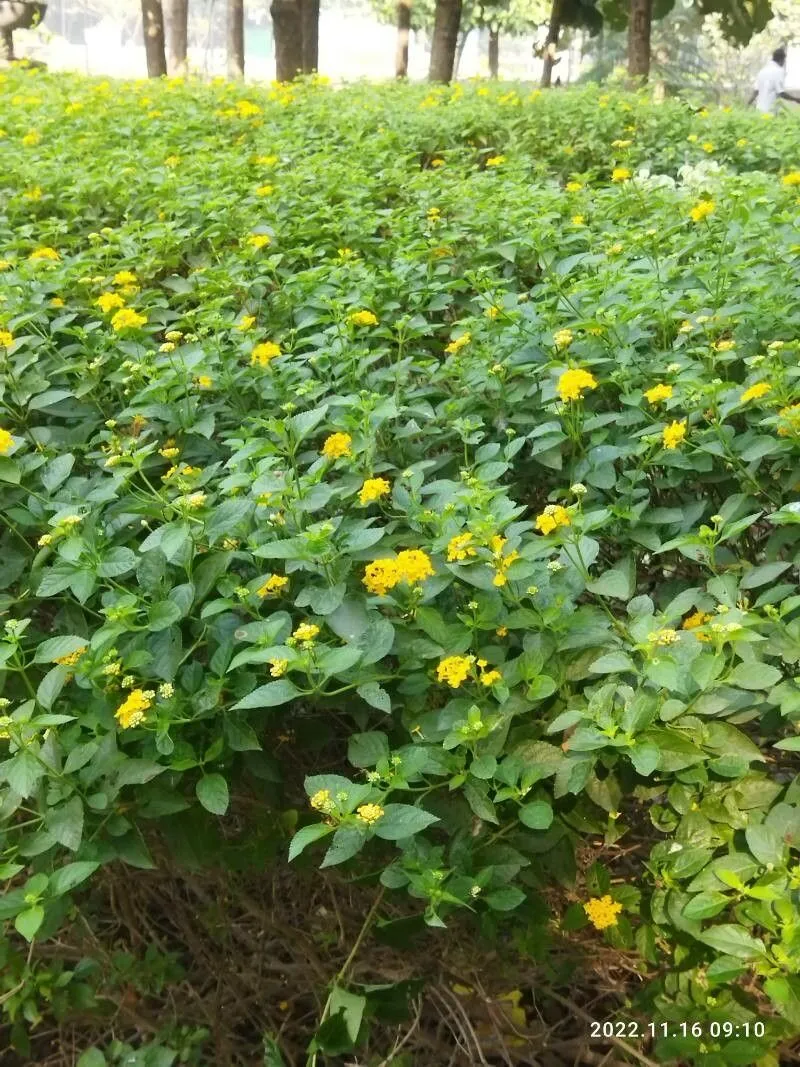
769 87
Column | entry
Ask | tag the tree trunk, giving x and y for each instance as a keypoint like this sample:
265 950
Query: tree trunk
287 31
445 37
176 16
153 27
403 34
494 51
551 44
309 15
6 45
463 36
235 36
639 23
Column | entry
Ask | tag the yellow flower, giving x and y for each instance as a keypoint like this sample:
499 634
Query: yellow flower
173 335
6 339
264 353
322 801
127 319
620 174
414 565
702 209
755 392
792 178
56 302
259 240
275 584
621 144
572 383
743 141
460 342
45 540
492 312
616 248
305 632
109 301
337 445
44 253
6 441
553 516
370 813
381 575
454 670
674 434
33 194
166 690
278 667
373 489
725 345
204 381
578 220
32 138
460 547
563 338
602 912
72 658
264 190
490 677
574 187
124 277
172 161
246 322
658 393
693 622
502 631
438 162
495 161
5 264
362 318
663 637
131 711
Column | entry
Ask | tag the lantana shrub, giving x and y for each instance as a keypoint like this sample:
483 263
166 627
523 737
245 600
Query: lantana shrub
454 432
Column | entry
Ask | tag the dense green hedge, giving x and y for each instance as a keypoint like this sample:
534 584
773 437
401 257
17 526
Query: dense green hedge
420 427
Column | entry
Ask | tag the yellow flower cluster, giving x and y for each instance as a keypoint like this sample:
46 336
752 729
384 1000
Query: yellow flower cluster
674 434
755 392
454 670
362 318
259 240
702 209
460 342
495 161
264 353
663 637
602 912
246 322
572 384
278 667
460 547
373 489
305 633
44 253
695 621
792 178
370 813
553 516
109 302
275 584
127 319
573 187
322 801
264 190
6 338
501 563
124 277
132 711
620 174
563 338
726 345
6 441
73 657
792 416
337 445
411 565
658 393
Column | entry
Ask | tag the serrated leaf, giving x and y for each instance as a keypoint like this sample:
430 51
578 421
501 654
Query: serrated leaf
269 696
538 815
212 792
306 836
65 823
402 820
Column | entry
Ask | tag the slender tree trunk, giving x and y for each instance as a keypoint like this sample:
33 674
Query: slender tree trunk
235 36
447 21
639 24
309 15
176 16
6 45
494 51
551 44
403 34
153 27
463 36
287 31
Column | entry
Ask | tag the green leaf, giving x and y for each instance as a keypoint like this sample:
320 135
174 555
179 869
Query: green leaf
619 582
302 424
766 844
65 823
365 750
755 676
212 792
163 615
9 470
116 562
706 905
57 471
375 696
93 1057
57 647
479 802
137 772
347 841
767 572
612 663
505 899
538 815
784 992
269 696
733 940
71 875
22 772
306 836
402 820
483 767
28 922
51 685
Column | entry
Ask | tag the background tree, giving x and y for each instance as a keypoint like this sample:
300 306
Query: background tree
446 24
287 30
234 30
309 14
403 35
567 14
176 19
153 32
